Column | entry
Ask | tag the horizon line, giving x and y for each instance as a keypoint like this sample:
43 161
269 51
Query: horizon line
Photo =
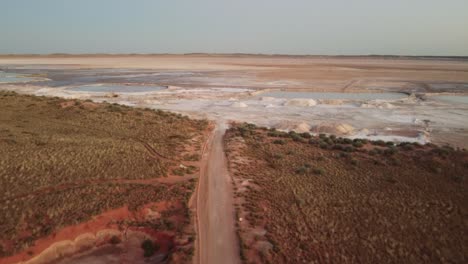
58 54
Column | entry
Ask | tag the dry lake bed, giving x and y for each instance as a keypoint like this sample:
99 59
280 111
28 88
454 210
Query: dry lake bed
414 99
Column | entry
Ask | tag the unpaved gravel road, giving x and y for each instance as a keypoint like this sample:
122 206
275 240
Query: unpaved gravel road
217 238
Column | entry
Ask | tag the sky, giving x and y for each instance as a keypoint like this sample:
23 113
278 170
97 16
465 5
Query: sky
316 27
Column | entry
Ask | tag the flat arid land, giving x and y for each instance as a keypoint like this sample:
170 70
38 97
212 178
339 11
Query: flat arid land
134 158
302 198
75 175
421 99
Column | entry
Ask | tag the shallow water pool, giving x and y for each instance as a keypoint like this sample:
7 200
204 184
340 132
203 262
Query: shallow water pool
322 95
7 77
463 99
117 88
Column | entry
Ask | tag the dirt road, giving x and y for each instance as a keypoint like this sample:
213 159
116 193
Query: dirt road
217 238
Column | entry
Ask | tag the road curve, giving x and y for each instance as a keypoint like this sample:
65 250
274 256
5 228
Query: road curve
217 240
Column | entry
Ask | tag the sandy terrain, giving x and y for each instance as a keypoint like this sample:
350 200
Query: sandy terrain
235 88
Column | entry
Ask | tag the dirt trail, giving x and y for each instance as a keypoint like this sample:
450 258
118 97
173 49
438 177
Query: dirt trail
217 238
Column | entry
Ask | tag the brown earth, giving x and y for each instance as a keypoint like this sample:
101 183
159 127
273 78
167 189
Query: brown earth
110 220
303 199
46 208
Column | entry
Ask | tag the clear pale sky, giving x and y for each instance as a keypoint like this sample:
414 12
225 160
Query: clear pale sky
334 27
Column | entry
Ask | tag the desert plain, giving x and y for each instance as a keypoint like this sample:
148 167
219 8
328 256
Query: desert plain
205 136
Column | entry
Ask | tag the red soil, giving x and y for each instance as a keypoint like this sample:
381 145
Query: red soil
100 222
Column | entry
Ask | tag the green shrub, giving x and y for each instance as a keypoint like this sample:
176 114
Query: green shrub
343 155
357 144
179 171
378 142
395 162
273 134
192 157
338 147
302 170
115 240
323 145
440 151
390 151
279 142
251 126
278 156
408 147
296 137
317 171
149 248
349 149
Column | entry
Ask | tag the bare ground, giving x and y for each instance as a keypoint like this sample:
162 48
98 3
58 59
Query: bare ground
217 238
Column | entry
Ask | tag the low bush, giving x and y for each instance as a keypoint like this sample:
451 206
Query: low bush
273 134
317 171
408 147
302 170
191 157
149 248
349 149
378 143
279 142
323 145
358 144
390 151
338 147
296 137
115 240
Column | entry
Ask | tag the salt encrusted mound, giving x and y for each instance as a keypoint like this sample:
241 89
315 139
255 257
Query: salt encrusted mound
335 128
267 99
302 127
377 104
299 127
301 102
331 101
239 105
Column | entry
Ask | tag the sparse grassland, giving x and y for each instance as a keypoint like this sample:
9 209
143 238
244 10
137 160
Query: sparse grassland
64 161
301 199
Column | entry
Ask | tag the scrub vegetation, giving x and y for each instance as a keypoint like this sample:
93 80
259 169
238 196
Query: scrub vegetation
65 161
302 198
